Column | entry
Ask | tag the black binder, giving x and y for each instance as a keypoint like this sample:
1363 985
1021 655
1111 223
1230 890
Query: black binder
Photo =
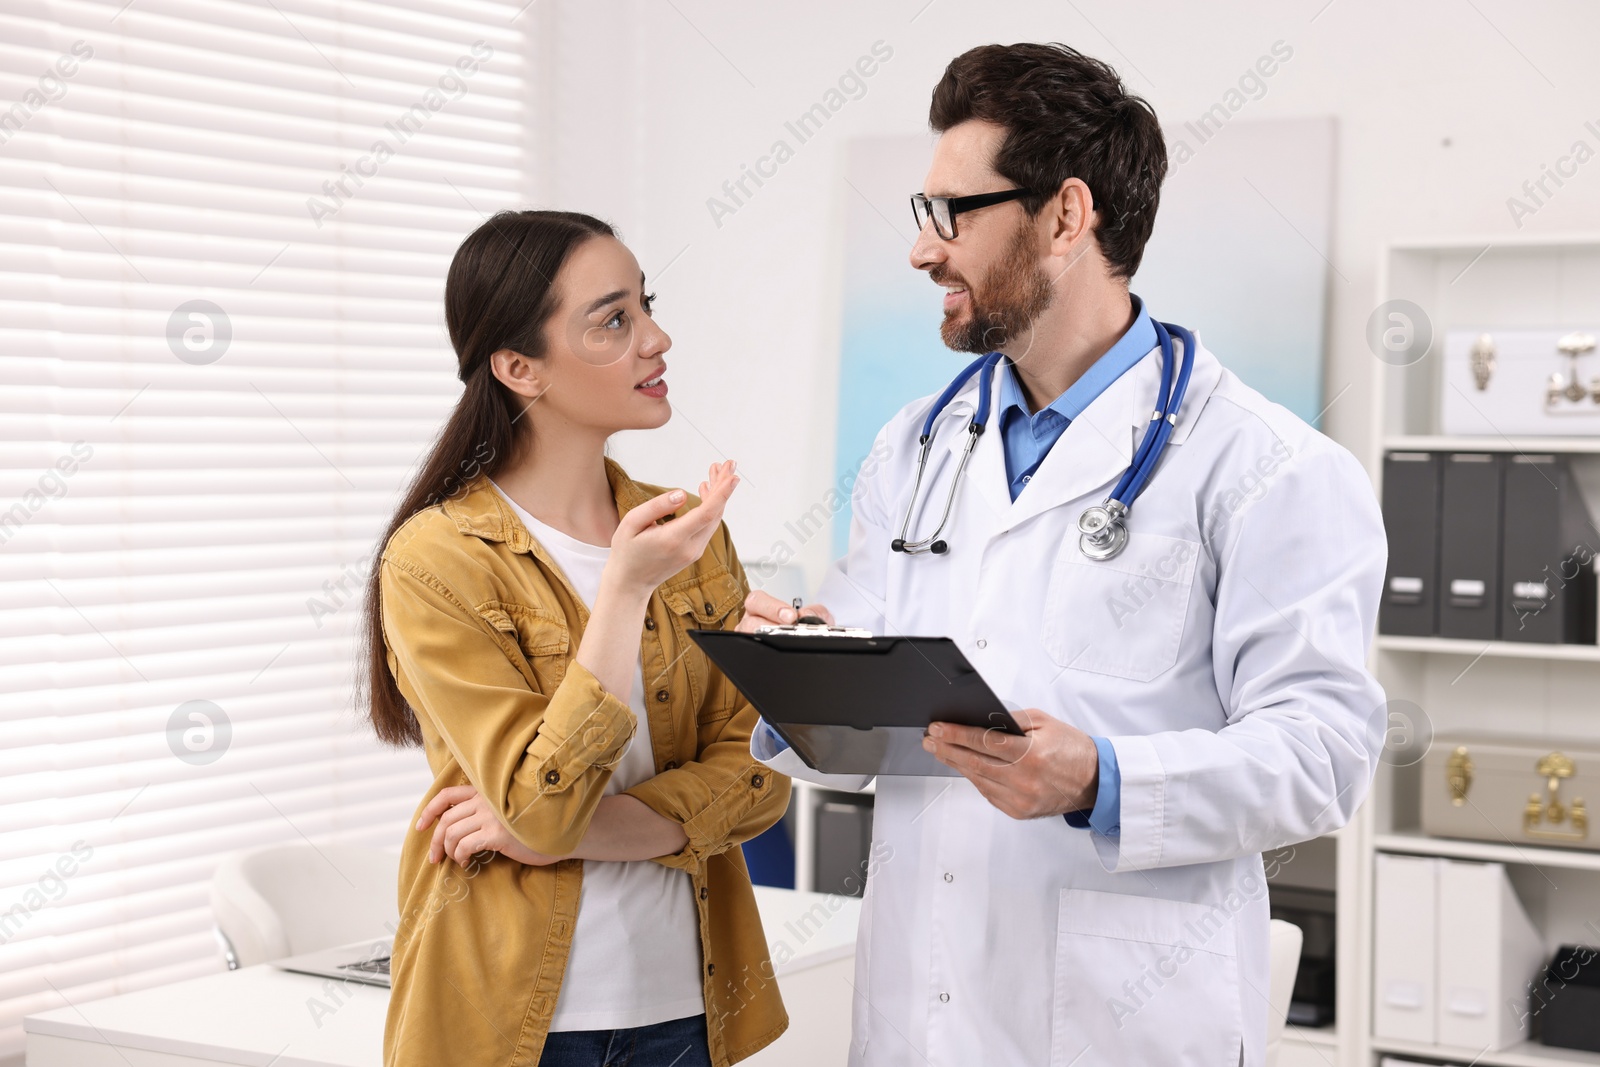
1410 602
1548 571
857 705
1469 545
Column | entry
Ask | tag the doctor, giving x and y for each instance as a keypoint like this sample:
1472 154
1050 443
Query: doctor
1093 893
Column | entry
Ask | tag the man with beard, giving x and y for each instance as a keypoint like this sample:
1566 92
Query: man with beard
1092 892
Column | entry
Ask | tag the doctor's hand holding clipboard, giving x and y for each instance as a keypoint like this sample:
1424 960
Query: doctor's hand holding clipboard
1052 769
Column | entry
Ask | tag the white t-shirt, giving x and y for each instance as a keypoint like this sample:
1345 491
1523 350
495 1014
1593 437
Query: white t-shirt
635 956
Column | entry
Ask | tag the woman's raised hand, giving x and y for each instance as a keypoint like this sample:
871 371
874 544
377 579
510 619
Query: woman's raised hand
646 550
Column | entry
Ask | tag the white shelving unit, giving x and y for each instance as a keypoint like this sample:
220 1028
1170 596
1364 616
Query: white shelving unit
1447 646
1426 443
1415 843
1527 1054
1526 693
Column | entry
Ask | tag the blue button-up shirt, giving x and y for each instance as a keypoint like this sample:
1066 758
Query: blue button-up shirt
1027 437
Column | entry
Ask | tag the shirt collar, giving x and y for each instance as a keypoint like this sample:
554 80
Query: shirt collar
482 510
1130 348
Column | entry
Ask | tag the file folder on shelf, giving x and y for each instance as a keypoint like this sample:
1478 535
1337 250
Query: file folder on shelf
1489 952
1404 948
1547 571
1469 545
1410 604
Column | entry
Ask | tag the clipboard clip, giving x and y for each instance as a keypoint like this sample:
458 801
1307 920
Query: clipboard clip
812 626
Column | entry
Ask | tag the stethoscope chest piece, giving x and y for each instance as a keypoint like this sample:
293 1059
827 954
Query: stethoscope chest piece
1103 530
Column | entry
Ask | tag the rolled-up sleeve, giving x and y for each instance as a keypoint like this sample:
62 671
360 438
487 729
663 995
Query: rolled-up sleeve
543 760
721 799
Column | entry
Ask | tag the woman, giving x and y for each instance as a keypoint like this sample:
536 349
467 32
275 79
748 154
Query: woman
527 626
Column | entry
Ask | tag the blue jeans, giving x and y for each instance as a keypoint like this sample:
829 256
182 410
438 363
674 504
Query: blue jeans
679 1043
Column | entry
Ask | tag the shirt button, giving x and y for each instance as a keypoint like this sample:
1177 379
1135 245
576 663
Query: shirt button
944 998
949 877
670 765
649 624
982 643
708 607
704 892
756 780
711 968
552 777
661 696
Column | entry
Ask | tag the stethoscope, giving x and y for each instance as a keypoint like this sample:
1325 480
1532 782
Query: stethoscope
1102 528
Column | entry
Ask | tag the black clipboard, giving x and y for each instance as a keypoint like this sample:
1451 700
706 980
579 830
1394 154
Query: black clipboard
857 705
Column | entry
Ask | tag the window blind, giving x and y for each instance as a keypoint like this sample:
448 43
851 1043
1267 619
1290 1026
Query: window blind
224 228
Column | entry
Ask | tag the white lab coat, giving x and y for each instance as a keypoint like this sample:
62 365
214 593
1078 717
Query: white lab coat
1222 653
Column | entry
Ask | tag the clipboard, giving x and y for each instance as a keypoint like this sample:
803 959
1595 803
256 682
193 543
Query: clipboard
857 705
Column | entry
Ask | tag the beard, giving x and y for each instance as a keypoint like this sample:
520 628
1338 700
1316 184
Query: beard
1011 297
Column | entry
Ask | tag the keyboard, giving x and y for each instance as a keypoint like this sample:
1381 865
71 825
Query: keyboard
375 965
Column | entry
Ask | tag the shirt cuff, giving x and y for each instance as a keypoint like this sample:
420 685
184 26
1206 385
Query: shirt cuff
1105 818
765 742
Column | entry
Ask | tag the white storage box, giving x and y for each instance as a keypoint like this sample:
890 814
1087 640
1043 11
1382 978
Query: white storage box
1520 383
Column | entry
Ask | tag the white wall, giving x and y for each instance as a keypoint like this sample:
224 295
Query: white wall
1444 109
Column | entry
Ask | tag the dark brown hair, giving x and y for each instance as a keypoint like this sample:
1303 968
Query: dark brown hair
1066 115
499 293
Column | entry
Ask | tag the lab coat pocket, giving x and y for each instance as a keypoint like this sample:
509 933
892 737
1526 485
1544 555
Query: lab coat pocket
1144 980
1122 616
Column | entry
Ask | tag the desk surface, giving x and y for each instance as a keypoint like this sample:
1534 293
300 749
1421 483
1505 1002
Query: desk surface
263 1017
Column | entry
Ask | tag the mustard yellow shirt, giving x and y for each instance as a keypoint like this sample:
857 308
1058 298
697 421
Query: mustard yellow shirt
480 630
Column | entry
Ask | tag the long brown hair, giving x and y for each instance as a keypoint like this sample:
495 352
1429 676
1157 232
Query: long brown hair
499 294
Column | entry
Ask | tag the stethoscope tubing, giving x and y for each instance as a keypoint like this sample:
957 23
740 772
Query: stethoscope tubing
983 367
1163 421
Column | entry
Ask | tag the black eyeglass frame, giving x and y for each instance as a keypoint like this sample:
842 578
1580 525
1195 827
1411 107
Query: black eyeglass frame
955 205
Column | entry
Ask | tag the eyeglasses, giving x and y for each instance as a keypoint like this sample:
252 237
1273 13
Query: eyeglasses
944 209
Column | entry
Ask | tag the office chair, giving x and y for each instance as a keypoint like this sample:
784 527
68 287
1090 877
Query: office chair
1284 962
283 900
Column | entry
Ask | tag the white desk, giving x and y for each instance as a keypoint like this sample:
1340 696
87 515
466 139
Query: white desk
263 1017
